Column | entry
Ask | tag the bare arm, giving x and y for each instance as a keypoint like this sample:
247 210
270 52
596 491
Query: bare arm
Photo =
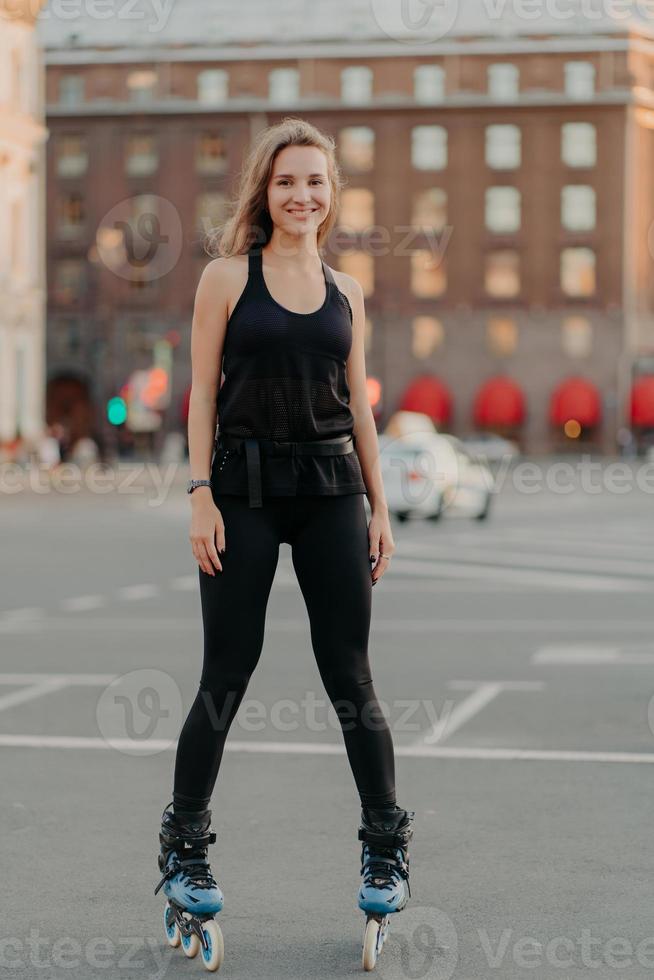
207 341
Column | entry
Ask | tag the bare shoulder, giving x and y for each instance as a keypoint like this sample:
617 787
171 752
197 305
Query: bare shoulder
224 278
348 285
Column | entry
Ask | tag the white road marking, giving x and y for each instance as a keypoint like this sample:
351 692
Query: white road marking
35 690
27 613
323 748
185 583
133 592
82 603
483 692
39 685
589 655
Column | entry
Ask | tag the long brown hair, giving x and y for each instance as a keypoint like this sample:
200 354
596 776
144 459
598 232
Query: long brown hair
250 222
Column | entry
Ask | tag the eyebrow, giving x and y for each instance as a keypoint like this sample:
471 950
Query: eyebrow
292 175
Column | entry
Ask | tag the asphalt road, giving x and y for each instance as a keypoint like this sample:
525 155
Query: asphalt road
515 658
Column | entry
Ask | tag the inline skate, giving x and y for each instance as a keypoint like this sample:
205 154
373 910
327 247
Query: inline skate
193 895
385 832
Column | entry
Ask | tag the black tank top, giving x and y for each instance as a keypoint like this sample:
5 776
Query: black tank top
285 380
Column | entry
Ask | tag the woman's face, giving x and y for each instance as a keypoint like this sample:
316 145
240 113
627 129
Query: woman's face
299 194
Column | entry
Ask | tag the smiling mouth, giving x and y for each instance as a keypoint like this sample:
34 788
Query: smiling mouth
297 211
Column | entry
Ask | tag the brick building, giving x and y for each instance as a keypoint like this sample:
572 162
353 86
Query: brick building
498 209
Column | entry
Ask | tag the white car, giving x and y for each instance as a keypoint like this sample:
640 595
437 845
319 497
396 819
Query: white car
491 447
427 474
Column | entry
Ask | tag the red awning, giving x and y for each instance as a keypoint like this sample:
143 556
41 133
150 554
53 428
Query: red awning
429 395
576 399
642 401
499 403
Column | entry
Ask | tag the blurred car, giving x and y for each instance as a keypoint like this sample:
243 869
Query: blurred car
426 473
491 447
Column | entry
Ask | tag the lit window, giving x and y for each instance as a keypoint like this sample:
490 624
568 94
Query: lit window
361 267
142 158
427 336
578 271
71 215
357 209
579 144
429 147
212 86
578 208
430 209
141 85
356 84
503 147
503 81
580 79
72 156
357 148
577 336
211 154
502 273
501 335
71 89
502 209
284 85
429 84
428 276
69 280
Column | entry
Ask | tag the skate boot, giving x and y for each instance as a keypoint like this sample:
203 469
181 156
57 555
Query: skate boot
192 892
385 832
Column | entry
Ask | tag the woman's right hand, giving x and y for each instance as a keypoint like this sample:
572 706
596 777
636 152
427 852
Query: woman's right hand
207 531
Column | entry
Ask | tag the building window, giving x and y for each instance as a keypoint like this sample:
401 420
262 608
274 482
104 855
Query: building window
503 147
503 81
578 207
71 215
212 86
357 209
72 156
356 84
430 209
142 158
576 336
211 154
429 84
502 209
427 336
502 273
361 267
579 79
579 144
210 211
71 90
501 335
429 147
428 276
357 148
69 280
578 271
284 85
141 85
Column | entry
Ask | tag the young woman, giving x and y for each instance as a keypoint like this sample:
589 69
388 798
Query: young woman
288 333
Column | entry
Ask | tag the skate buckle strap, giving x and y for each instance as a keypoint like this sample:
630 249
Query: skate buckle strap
170 871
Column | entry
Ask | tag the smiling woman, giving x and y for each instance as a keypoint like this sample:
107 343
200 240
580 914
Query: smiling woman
271 316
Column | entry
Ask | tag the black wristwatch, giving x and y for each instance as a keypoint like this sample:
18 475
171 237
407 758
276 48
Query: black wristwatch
192 484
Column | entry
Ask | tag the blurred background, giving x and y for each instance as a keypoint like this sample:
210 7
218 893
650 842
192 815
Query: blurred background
498 209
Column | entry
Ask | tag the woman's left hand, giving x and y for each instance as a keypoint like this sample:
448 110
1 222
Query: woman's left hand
381 543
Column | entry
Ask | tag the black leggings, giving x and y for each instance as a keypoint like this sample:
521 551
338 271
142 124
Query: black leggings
330 550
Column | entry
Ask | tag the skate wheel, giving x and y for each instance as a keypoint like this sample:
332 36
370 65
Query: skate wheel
190 945
370 944
212 956
171 928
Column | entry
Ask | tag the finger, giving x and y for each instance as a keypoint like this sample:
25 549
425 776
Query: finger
203 558
213 554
